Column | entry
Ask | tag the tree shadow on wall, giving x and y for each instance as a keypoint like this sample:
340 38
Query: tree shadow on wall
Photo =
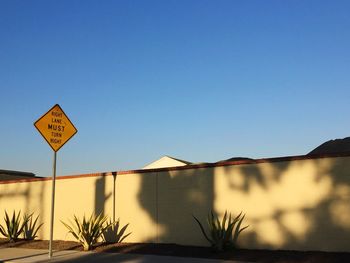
179 194
320 221
305 211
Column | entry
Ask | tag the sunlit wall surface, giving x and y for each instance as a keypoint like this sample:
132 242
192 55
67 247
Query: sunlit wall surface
290 203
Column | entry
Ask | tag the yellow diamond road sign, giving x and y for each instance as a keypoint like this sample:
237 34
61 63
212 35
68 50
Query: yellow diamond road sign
55 127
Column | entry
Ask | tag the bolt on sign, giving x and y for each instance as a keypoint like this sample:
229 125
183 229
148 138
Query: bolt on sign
55 127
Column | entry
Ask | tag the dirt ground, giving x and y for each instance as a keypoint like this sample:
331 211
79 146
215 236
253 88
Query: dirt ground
250 255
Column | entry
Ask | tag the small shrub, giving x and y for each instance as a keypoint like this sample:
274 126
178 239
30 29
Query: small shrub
13 227
87 231
112 234
30 227
223 234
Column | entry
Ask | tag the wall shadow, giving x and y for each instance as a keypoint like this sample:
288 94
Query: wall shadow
101 197
179 194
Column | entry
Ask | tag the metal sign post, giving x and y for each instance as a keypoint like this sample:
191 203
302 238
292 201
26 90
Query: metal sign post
57 129
52 202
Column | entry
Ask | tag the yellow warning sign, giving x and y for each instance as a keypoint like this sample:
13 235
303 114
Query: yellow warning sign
55 127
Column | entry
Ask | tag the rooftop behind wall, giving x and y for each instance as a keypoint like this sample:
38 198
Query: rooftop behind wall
13 175
298 202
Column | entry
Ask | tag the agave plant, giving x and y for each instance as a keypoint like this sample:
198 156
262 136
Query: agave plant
112 234
223 235
13 227
88 230
30 227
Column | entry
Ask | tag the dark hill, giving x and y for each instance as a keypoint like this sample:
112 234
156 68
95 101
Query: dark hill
333 146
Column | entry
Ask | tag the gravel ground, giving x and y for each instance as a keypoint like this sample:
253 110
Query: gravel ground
250 255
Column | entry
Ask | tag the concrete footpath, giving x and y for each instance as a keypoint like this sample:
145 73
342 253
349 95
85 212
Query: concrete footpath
23 255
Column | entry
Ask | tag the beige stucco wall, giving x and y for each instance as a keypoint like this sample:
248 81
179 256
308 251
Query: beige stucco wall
296 204
303 205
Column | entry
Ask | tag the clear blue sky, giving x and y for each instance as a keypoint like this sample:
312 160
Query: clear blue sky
198 80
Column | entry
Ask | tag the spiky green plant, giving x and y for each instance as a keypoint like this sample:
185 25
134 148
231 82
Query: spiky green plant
223 234
13 227
88 230
30 227
113 234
